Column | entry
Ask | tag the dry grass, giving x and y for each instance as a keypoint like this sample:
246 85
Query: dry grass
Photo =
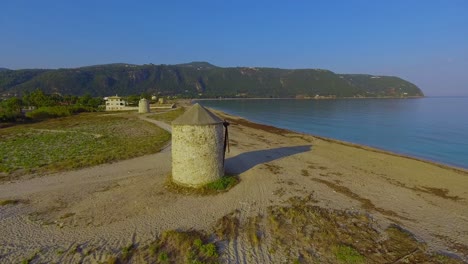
178 247
365 203
11 202
311 234
443 193
228 226
275 169
222 185
254 231
439 192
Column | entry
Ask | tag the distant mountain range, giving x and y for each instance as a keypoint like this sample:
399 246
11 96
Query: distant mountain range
202 79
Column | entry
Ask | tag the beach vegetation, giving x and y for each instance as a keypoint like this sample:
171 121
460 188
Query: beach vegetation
30 258
347 254
168 116
317 234
127 252
9 201
227 227
180 247
221 185
163 257
77 141
112 260
253 230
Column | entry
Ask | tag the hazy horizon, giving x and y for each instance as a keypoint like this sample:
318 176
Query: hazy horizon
422 42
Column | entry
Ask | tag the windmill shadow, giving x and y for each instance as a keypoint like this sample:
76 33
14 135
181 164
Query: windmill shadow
245 161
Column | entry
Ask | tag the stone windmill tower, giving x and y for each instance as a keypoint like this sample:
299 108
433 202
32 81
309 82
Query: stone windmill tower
198 145
143 106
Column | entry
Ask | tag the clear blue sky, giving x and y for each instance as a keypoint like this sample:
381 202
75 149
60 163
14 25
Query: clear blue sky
423 41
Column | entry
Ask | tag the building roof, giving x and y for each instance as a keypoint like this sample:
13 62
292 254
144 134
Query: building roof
114 97
197 115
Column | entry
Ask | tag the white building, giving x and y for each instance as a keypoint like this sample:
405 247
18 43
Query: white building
115 103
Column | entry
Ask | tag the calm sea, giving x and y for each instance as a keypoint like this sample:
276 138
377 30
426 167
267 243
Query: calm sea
432 128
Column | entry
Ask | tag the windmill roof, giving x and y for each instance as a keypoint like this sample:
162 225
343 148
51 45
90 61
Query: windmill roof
197 115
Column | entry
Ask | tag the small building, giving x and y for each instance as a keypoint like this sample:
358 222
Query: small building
162 100
115 103
197 147
143 106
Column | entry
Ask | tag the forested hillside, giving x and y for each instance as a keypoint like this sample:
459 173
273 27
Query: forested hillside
201 79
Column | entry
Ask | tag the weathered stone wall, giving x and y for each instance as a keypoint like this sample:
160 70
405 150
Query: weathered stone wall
197 154
143 106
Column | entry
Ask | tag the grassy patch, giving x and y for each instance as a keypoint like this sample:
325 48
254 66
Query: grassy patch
77 141
221 185
168 116
346 254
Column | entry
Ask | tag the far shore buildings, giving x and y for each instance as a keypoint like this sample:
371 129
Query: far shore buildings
115 103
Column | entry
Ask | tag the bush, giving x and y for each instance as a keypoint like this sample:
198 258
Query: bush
75 109
8 116
49 112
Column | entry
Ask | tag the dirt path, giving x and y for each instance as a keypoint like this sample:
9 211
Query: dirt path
161 124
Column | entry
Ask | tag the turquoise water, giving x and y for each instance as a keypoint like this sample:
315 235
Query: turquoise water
432 128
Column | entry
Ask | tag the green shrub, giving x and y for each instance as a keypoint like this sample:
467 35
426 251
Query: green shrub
225 183
347 254
75 109
49 112
163 257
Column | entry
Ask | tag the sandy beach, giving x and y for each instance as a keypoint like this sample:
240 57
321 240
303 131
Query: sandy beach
103 208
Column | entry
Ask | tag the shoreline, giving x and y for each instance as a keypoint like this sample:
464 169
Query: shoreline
374 148
311 98
350 144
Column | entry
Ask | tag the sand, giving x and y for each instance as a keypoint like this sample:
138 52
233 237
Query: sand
103 208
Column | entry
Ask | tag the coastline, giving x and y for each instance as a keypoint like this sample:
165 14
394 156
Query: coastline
311 98
439 150
345 143
104 208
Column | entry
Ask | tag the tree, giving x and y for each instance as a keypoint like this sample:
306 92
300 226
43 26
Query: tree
38 99
10 109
